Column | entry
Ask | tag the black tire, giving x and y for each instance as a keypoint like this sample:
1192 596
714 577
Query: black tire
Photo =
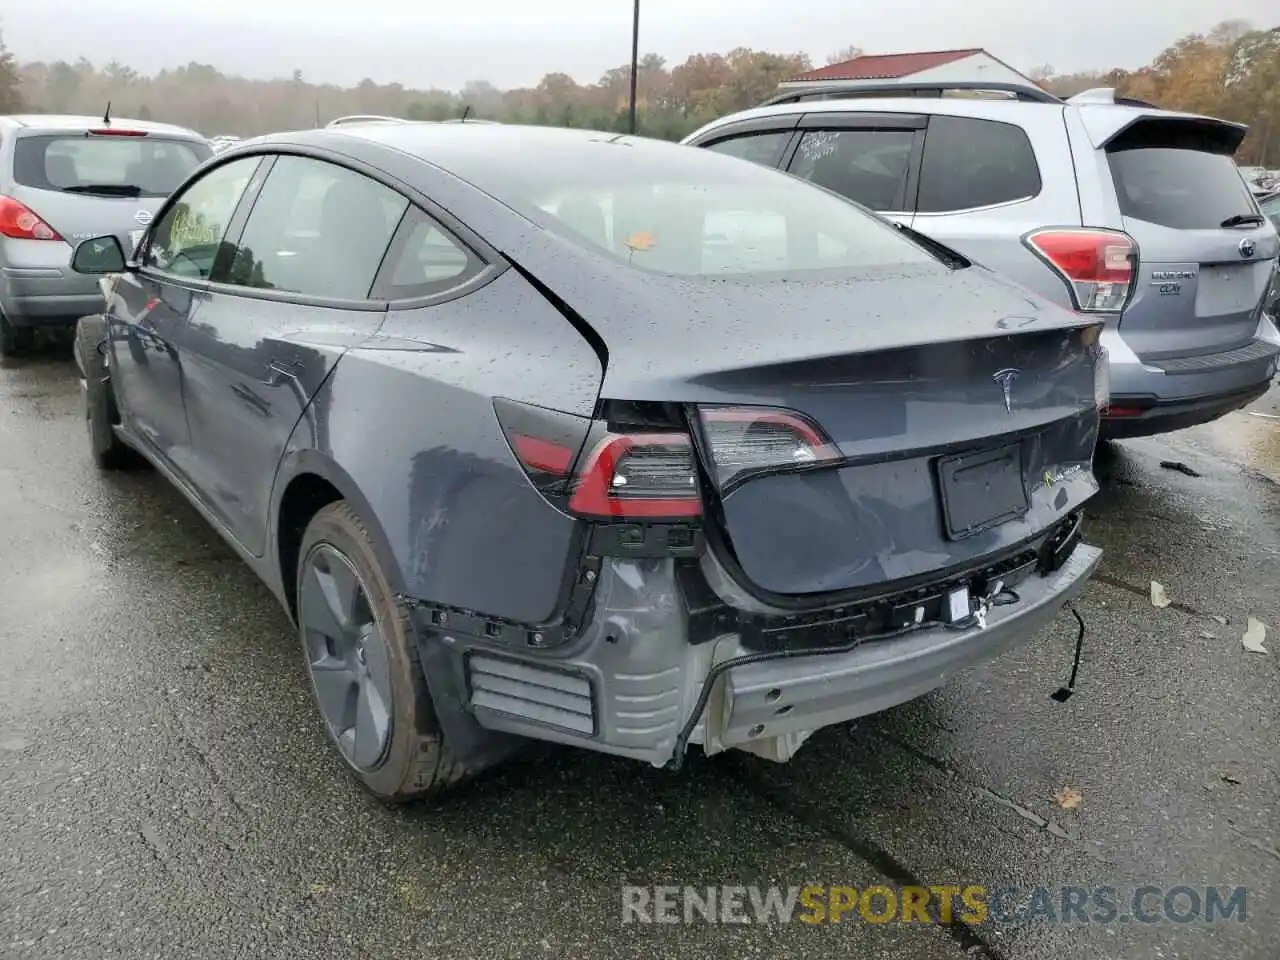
109 452
15 341
415 762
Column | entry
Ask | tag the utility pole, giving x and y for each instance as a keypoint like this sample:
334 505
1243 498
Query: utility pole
635 61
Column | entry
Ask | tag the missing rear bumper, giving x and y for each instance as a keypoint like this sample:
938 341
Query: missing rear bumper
634 683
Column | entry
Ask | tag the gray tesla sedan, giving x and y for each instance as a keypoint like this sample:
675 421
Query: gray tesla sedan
593 439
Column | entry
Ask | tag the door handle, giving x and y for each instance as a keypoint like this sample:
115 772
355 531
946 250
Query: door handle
278 371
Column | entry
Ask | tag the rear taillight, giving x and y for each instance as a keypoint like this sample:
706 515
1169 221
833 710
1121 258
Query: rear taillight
1098 266
748 440
593 471
117 132
20 222
638 475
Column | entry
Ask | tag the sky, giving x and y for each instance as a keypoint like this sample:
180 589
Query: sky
510 43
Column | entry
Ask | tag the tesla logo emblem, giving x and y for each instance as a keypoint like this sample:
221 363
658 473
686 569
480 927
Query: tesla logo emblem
142 218
1004 380
1247 248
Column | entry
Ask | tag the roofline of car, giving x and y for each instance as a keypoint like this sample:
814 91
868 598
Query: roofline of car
829 101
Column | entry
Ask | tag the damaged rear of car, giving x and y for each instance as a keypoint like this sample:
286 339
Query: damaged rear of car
828 469
561 435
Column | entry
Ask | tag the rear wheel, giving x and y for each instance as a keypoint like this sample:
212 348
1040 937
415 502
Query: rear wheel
14 340
359 651
108 451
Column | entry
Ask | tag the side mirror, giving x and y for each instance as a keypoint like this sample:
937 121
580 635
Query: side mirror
99 256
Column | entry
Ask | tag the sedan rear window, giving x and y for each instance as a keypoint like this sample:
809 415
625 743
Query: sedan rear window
104 165
697 213
1179 188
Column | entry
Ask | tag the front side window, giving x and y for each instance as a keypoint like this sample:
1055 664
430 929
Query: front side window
186 241
971 163
103 165
316 229
867 166
762 148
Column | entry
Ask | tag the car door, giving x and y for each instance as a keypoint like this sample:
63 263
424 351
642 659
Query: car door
289 300
152 304
871 158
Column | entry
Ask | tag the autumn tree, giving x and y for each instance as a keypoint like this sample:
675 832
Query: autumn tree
844 54
10 81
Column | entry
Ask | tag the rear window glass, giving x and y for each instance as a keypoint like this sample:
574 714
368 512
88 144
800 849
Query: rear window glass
1179 188
697 213
111 166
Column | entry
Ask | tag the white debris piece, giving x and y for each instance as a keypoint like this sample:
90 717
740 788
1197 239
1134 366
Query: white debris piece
1254 635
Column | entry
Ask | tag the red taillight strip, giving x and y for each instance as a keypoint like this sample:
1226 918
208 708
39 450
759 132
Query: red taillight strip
592 493
109 132
538 454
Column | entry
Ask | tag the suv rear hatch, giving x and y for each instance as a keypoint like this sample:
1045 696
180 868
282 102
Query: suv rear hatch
1206 254
87 183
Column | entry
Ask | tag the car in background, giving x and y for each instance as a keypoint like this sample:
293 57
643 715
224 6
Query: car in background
525 457
64 179
1270 206
1110 207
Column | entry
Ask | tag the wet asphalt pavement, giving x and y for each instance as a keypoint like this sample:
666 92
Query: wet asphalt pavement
166 789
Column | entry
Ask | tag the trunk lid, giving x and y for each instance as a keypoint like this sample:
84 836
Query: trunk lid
1206 254
903 369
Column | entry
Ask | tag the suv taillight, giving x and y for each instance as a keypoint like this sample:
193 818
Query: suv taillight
1098 266
20 222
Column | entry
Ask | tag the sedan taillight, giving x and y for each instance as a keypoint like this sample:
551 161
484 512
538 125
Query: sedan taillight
748 440
600 473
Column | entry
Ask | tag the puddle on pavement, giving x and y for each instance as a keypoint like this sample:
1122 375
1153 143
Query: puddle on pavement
1255 441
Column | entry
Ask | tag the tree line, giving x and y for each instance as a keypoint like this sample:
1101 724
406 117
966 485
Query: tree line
1232 71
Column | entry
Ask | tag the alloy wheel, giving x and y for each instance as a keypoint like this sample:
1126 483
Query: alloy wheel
346 656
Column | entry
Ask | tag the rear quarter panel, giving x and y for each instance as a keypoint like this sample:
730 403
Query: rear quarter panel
405 427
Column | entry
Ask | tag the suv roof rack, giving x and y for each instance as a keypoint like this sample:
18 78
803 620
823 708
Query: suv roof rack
1108 95
905 88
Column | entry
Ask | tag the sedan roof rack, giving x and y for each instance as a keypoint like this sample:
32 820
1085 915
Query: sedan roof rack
905 88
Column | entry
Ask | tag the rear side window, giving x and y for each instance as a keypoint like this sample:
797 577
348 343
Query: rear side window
972 163
424 260
762 148
316 229
104 165
868 166
1177 187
